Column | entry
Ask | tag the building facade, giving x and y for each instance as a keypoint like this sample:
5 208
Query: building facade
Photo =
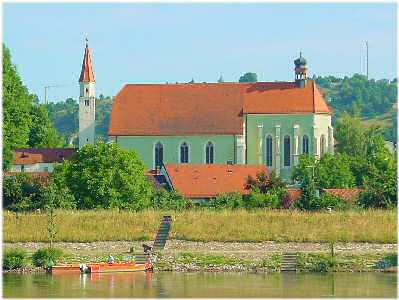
262 123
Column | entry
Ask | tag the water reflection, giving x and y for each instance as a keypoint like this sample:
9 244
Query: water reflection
187 285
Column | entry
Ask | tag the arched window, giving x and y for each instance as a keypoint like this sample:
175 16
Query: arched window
158 155
184 153
269 151
305 144
322 145
287 151
209 153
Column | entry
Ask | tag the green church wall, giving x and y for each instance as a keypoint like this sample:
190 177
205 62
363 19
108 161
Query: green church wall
224 146
286 123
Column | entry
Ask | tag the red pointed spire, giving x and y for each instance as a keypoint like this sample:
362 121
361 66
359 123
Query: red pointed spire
87 74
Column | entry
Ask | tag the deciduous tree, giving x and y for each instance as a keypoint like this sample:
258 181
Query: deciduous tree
106 176
249 77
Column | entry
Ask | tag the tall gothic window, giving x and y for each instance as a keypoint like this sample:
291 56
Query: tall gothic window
287 151
322 145
209 153
184 153
158 155
269 151
305 144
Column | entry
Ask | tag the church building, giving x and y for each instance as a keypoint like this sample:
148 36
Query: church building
262 123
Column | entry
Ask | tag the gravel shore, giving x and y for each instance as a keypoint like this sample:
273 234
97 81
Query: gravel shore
250 251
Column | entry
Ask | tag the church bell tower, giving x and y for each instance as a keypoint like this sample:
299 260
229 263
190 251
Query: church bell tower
87 101
301 71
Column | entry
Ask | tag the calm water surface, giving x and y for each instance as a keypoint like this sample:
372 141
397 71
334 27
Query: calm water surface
187 285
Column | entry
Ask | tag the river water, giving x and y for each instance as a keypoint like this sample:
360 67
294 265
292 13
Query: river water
187 285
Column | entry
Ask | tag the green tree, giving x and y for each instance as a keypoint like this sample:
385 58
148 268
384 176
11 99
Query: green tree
105 176
305 173
249 77
265 191
22 192
168 200
380 182
364 147
17 105
328 172
373 166
358 94
333 171
25 124
42 133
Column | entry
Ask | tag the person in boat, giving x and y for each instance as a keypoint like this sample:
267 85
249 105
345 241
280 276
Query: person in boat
111 259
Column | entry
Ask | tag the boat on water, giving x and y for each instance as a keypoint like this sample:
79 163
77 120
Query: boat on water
143 261
102 267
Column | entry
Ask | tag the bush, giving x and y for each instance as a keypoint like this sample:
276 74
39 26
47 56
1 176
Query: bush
375 199
270 199
168 200
14 259
229 201
22 192
44 257
315 262
328 200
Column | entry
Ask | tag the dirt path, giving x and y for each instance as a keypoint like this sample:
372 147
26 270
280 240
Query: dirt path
253 251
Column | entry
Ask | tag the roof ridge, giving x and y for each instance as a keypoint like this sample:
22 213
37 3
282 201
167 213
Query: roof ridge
207 83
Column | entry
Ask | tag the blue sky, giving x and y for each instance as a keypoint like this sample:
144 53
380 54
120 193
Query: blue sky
156 43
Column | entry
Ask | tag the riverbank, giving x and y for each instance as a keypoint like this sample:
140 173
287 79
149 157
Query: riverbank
372 226
188 256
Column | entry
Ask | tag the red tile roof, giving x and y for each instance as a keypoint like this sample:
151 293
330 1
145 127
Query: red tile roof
345 194
42 155
294 194
34 174
285 99
205 108
87 74
177 109
210 180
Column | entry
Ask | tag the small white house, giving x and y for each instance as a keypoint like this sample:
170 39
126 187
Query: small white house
32 160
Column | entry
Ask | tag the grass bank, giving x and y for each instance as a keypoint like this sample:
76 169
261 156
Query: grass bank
379 226
307 262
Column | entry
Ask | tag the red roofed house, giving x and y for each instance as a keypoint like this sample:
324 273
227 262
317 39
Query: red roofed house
262 123
348 194
39 160
204 181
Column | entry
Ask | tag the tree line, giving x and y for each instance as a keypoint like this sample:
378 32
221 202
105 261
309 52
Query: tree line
25 122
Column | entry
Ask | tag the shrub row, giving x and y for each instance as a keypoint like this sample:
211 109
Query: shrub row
17 258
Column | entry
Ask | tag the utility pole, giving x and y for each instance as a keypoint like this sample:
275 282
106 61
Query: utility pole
47 87
367 59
